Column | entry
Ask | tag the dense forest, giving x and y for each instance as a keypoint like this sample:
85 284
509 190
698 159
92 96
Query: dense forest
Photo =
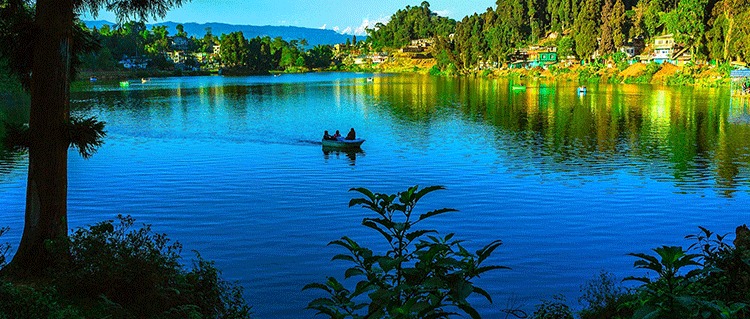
232 51
709 29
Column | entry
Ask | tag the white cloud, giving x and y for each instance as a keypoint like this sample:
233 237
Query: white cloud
348 30
442 13
336 28
369 24
323 27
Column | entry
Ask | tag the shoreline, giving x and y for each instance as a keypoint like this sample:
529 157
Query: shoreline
637 73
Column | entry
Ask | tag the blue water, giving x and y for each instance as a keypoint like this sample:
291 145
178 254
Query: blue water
232 167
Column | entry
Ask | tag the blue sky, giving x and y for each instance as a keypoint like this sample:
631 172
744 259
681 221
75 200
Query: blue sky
341 15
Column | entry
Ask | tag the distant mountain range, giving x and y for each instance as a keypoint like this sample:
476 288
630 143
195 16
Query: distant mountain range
313 36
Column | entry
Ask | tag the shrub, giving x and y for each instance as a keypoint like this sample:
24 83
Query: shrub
725 282
603 297
26 302
669 295
4 247
553 309
137 273
421 274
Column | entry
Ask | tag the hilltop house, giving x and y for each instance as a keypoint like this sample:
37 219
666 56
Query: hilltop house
533 57
179 43
176 56
379 57
133 63
418 45
664 48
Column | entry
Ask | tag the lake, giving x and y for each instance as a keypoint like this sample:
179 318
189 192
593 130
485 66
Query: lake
233 167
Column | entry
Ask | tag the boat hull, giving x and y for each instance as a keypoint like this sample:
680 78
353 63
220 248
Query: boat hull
342 143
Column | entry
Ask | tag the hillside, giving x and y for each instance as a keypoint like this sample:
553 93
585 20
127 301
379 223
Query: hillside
313 36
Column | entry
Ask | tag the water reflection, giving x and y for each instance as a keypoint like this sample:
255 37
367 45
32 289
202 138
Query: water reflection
336 153
14 108
692 136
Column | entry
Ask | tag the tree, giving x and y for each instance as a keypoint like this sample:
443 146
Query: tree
725 14
607 44
617 22
585 30
50 134
687 22
180 31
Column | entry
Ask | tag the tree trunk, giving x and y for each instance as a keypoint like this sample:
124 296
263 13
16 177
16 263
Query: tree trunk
728 37
46 191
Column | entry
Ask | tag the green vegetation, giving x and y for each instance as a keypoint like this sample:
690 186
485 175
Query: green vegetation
412 23
118 272
155 50
421 275
712 283
708 30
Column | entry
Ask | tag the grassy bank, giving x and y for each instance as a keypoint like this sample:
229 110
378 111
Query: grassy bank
665 74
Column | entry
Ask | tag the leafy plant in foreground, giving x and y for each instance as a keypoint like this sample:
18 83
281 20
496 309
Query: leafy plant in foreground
137 273
4 247
421 275
553 309
667 296
725 282
604 297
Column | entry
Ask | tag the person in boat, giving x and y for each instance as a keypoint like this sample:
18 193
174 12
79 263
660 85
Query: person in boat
352 135
336 135
327 137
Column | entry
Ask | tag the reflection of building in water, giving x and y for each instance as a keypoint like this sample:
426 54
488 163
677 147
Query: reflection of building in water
740 101
739 111
740 85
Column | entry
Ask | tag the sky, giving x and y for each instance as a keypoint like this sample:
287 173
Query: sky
343 16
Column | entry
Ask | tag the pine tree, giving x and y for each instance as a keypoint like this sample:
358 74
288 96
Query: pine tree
607 44
585 30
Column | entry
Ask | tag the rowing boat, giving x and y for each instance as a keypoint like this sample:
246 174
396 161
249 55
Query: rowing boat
343 143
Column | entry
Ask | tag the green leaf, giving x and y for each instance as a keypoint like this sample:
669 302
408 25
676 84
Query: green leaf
641 279
481 270
316 285
486 251
468 309
351 272
343 257
424 191
416 234
363 191
320 302
435 212
360 201
372 224
483 293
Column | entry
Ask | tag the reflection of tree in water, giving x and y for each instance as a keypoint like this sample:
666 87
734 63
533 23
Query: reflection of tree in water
14 108
350 153
681 135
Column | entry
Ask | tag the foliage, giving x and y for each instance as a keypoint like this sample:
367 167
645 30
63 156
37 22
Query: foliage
553 309
726 277
421 275
585 30
408 24
137 272
668 295
84 134
319 56
4 247
27 302
603 297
